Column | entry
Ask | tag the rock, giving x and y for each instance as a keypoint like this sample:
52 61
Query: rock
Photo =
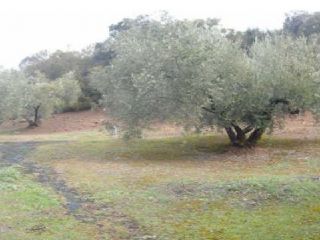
149 237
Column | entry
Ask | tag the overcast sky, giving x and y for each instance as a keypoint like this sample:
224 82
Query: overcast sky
28 26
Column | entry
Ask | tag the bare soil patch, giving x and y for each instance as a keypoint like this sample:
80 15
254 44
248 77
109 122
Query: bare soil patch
298 126
58 123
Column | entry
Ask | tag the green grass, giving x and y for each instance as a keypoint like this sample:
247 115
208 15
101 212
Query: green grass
196 188
30 211
192 187
258 208
152 149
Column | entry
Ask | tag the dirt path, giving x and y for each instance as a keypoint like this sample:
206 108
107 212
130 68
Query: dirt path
78 205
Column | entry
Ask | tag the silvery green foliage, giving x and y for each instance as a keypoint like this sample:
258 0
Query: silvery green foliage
39 97
189 73
157 72
25 97
279 77
287 69
68 91
9 85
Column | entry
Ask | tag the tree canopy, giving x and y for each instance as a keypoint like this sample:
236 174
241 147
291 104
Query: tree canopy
40 97
302 23
35 97
192 74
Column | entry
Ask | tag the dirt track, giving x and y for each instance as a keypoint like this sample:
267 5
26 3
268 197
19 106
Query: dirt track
17 153
81 207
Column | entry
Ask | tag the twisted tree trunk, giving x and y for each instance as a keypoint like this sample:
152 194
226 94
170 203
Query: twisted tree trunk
247 137
255 136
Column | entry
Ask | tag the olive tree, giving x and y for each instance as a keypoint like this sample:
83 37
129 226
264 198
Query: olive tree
40 97
153 76
282 79
187 72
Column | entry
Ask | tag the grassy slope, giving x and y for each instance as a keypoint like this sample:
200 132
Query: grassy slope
197 188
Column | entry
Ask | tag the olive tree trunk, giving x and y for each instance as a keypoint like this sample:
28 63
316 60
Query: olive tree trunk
35 121
247 137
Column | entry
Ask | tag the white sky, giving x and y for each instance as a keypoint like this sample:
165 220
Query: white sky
28 26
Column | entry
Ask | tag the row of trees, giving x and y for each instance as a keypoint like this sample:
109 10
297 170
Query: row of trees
58 63
191 73
194 73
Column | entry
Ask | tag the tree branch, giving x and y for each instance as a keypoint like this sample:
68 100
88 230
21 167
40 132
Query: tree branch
209 110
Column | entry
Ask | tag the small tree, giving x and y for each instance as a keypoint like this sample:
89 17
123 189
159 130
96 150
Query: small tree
41 97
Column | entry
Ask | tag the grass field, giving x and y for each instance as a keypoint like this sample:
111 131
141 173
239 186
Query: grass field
30 211
193 187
